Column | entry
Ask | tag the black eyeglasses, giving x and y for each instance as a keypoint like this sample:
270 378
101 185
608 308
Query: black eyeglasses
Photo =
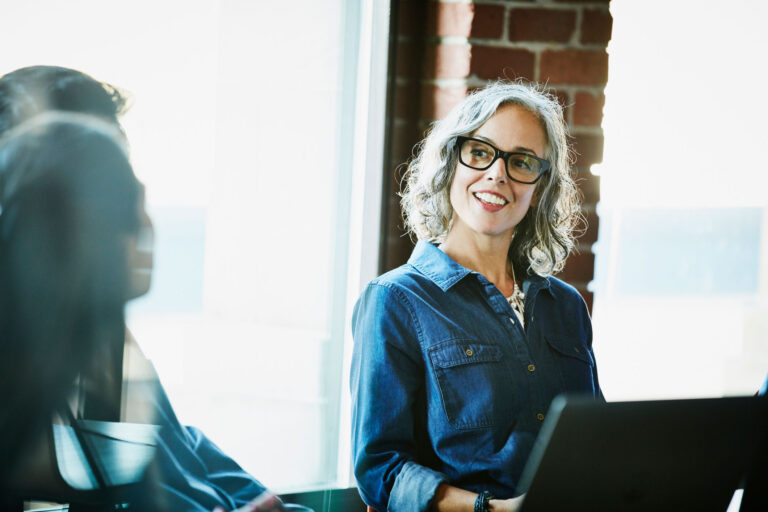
521 167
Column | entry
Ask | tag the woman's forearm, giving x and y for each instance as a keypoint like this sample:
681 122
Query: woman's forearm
452 499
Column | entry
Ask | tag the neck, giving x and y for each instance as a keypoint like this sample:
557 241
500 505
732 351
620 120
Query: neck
483 254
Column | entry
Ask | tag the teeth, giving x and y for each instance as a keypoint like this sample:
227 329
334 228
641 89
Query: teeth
490 198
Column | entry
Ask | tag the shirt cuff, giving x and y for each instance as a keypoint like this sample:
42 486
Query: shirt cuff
414 488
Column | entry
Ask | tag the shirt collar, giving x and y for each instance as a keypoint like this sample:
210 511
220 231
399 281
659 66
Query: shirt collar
534 282
444 272
436 265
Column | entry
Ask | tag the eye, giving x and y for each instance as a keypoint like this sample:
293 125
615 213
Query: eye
476 154
524 163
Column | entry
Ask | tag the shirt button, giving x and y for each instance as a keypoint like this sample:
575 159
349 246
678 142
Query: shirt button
468 352
511 319
540 417
531 367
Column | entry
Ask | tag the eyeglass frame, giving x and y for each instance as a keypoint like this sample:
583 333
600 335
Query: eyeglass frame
504 155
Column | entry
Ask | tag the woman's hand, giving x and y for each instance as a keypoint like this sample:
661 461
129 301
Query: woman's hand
510 505
265 502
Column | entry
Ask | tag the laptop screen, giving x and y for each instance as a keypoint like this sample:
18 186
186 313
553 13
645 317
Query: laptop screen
650 455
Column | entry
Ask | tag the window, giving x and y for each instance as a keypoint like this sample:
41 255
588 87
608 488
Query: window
257 129
682 258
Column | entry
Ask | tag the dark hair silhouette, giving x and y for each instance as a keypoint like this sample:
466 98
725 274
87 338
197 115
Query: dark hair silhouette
29 91
69 201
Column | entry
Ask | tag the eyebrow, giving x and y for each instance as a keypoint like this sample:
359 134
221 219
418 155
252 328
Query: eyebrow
517 149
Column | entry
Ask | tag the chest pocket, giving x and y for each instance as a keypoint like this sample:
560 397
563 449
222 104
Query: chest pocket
576 364
469 374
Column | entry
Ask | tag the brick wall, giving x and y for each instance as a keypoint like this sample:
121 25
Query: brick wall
441 49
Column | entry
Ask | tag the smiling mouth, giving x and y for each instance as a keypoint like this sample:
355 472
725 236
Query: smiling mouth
491 199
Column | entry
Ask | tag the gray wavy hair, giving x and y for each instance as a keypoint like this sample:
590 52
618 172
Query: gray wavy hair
545 236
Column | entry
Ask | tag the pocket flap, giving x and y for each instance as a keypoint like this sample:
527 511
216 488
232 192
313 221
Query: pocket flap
460 352
571 348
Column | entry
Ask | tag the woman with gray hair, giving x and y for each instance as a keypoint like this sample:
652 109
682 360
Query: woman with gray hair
459 352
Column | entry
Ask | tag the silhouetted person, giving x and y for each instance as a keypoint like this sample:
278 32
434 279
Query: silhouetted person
69 205
189 471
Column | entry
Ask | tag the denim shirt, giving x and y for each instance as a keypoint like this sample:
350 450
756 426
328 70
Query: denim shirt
447 386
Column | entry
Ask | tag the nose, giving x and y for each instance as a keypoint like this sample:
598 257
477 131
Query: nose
497 171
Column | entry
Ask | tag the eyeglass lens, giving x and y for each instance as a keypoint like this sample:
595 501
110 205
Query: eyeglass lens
479 155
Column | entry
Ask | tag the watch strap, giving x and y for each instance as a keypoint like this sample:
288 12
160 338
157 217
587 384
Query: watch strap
481 502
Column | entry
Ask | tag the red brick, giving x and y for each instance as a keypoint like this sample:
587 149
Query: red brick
449 19
410 17
488 22
589 150
587 296
552 25
398 247
579 268
436 102
581 67
588 109
406 100
424 127
589 185
408 59
397 177
398 251
394 180
404 138
589 235
447 61
596 26
490 62
564 99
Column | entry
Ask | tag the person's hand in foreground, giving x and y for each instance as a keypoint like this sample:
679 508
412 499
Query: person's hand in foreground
266 502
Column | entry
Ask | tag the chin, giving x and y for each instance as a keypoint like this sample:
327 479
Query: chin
494 231
140 283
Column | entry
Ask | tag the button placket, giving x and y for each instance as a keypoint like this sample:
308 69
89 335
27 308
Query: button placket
501 307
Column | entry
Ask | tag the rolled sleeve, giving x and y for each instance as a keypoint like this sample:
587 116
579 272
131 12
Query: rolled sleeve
414 488
386 376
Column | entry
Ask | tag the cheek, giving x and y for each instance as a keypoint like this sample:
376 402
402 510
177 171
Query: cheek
460 184
146 237
145 241
528 196
455 193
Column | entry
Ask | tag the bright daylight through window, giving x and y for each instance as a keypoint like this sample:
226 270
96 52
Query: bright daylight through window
681 278
247 155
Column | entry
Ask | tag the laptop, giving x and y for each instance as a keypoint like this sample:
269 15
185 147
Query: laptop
663 455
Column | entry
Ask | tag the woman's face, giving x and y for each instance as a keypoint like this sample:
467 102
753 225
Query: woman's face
140 252
487 203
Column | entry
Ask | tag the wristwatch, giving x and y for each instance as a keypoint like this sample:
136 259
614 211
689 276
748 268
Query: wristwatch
481 503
